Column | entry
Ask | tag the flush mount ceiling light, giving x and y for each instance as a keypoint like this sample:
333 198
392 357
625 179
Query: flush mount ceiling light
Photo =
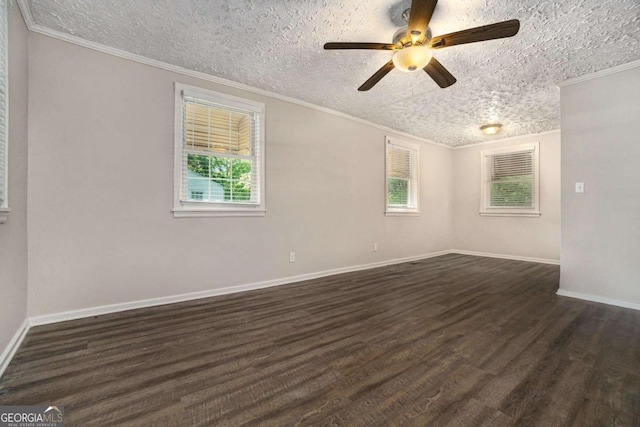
491 129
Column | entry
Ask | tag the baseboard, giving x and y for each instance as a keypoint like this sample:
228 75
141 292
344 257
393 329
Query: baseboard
596 298
114 308
513 257
12 347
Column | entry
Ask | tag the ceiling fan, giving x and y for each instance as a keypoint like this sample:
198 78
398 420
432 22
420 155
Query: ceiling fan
413 46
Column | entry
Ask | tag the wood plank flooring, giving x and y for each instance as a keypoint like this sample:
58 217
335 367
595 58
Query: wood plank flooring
448 341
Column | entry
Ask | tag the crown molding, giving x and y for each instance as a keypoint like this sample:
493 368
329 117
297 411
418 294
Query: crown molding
36 28
511 138
598 74
25 10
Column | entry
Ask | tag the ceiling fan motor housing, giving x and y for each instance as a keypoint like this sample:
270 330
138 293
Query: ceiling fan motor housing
400 36
402 32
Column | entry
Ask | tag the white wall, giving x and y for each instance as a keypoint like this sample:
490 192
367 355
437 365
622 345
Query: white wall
512 236
13 233
101 229
601 147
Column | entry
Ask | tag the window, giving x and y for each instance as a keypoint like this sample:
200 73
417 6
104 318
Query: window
510 181
4 100
403 165
219 154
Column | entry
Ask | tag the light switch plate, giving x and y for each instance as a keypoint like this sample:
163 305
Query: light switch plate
579 187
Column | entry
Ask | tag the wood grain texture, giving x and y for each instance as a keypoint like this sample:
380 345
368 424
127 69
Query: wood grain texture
350 45
420 16
377 76
439 74
449 341
478 34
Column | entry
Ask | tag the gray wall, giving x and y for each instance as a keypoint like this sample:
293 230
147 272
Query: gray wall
514 236
601 147
98 123
13 233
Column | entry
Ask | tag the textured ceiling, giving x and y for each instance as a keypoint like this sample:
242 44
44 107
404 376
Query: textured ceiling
276 45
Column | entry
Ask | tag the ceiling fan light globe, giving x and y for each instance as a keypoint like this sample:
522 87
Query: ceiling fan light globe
412 58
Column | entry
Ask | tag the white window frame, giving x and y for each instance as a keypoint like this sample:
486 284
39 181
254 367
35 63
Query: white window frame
391 210
183 209
4 120
485 208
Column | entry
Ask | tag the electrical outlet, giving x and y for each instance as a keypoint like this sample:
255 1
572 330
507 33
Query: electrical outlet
292 257
375 247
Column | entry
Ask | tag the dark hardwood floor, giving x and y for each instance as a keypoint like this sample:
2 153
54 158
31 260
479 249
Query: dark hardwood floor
448 341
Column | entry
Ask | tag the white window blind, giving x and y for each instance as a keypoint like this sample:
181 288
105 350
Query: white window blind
220 153
510 180
3 107
402 176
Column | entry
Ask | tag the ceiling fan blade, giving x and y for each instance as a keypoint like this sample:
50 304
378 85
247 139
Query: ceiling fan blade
419 17
478 34
439 74
347 45
377 76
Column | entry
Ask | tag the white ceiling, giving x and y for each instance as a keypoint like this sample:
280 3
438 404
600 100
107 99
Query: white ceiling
276 45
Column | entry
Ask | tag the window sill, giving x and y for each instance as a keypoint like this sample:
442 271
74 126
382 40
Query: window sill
207 213
520 214
402 213
4 213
